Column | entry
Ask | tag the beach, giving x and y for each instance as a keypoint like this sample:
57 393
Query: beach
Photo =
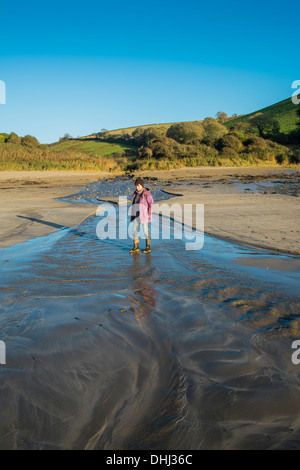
234 211
30 207
172 350
245 216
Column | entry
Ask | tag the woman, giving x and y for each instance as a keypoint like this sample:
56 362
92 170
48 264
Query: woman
141 214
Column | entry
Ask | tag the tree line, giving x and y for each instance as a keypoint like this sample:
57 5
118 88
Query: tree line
213 141
13 138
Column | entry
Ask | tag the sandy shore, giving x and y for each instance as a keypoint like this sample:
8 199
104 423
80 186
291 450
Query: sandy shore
176 350
270 221
29 208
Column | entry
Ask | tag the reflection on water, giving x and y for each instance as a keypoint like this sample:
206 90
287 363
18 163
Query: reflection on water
170 350
145 295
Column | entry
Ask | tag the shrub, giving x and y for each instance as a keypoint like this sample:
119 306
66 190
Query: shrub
165 148
295 157
256 144
265 124
119 155
214 129
230 141
29 141
145 153
228 152
241 128
137 136
143 137
266 150
185 132
152 133
239 135
294 136
13 138
221 116
210 141
282 159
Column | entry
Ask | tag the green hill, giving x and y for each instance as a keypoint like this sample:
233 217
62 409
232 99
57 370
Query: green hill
90 146
208 142
284 111
149 146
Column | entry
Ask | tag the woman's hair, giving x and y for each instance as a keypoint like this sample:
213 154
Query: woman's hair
139 181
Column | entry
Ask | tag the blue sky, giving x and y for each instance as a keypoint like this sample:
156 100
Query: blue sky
78 67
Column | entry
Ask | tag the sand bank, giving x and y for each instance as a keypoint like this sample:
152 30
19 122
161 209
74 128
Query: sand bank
29 208
270 220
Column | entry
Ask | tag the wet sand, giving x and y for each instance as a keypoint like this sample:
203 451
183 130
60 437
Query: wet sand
176 350
29 207
270 221
264 220
179 350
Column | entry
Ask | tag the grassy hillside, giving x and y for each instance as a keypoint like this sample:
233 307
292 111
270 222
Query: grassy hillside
90 147
210 142
128 131
88 154
284 111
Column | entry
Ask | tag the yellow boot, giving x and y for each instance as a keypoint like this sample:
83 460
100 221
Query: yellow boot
135 248
148 246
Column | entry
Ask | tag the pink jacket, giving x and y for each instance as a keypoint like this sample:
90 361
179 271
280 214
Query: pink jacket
145 206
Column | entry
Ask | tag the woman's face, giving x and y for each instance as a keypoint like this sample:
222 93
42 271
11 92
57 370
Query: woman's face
139 187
